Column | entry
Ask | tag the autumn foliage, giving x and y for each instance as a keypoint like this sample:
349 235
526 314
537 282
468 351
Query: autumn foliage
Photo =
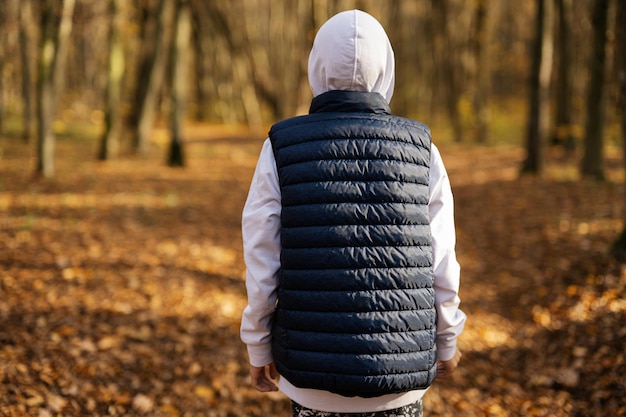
122 286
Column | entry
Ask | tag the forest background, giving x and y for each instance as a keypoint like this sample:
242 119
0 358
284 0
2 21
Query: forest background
129 132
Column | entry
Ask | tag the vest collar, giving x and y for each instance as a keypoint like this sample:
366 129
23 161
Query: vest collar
350 102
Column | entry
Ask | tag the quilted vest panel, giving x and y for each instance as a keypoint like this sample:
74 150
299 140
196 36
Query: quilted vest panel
355 312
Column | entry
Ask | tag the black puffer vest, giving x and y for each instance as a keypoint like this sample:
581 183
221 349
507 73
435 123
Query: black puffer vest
355 313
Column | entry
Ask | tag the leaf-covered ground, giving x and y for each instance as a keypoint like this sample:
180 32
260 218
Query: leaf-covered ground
121 287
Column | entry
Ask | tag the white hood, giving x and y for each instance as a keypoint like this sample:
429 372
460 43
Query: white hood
352 52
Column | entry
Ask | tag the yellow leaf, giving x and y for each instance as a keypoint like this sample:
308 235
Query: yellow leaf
36 399
109 342
169 409
56 403
206 393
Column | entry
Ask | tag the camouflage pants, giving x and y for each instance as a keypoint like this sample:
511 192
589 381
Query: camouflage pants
411 410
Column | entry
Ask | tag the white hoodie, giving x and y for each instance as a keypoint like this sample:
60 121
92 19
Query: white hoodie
351 51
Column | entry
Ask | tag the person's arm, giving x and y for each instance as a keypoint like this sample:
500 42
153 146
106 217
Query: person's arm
446 368
450 319
261 246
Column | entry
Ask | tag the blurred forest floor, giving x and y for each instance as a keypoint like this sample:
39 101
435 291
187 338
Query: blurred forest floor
122 286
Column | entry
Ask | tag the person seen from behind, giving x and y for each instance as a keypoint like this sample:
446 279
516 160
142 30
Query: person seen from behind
349 243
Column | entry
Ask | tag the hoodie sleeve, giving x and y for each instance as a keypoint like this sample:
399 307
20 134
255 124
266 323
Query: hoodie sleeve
261 247
450 319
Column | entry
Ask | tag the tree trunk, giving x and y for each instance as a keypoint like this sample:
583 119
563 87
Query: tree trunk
179 76
26 36
199 53
53 51
147 105
592 161
147 33
620 49
619 247
45 135
3 60
8 15
563 130
449 68
109 142
481 59
539 105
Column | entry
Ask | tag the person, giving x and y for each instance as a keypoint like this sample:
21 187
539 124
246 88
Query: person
349 242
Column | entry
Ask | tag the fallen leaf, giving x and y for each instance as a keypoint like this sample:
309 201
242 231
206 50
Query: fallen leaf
143 403
109 342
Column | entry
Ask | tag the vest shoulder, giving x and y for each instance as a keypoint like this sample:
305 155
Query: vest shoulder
339 116
333 126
